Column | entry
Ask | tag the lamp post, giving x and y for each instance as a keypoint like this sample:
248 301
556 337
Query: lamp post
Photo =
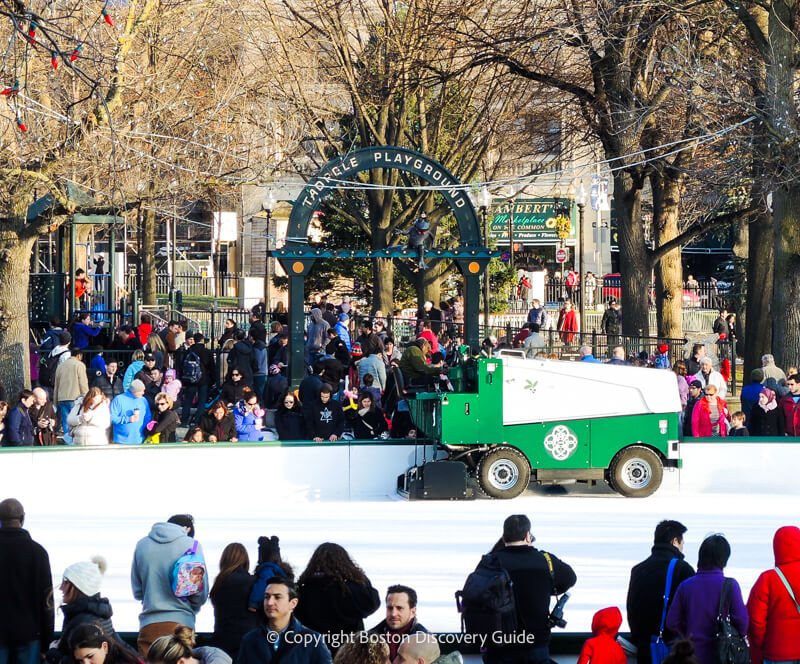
269 205
580 247
484 201
560 210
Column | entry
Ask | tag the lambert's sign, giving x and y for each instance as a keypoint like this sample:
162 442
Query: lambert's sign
533 221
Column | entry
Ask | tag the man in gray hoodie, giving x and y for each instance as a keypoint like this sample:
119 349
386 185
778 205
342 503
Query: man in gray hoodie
151 580
317 336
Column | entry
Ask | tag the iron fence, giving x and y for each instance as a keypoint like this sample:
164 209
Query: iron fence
193 285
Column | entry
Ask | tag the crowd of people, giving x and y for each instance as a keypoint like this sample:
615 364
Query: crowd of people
271 614
147 383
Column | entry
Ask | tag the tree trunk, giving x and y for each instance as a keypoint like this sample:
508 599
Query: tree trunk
149 258
780 89
669 271
15 255
634 264
382 285
786 293
760 273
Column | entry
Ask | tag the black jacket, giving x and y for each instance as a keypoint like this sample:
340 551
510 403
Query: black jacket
232 620
232 392
764 423
224 430
77 613
533 587
298 645
368 426
687 416
327 608
26 590
19 428
110 388
243 358
325 419
646 595
291 424
167 422
338 349
610 322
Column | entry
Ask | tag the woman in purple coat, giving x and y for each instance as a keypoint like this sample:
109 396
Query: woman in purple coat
693 613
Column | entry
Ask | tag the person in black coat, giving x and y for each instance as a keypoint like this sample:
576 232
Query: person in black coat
534 582
334 592
229 596
219 424
289 420
766 418
645 601
695 394
165 418
233 387
19 428
110 382
208 378
82 604
26 603
242 357
367 420
326 419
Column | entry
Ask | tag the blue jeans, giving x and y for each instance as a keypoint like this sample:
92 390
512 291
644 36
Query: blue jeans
189 393
259 383
22 653
64 408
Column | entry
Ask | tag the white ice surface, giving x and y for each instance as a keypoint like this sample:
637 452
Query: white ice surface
429 545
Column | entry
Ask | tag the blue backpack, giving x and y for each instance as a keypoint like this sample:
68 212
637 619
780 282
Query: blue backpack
189 573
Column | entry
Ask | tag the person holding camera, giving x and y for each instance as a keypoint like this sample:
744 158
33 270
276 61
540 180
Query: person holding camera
536 576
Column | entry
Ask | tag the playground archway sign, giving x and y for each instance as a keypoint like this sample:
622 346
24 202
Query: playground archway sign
297 256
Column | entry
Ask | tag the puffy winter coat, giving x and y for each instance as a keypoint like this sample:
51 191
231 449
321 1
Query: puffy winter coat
246 424
701 418
774 630
89 427
603 648
80 612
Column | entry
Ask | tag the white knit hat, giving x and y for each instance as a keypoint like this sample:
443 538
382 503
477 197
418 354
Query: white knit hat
86 576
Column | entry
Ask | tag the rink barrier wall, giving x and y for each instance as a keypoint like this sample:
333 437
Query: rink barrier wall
733 464
347 470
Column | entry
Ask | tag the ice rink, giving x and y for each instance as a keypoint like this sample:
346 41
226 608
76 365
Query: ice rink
430 546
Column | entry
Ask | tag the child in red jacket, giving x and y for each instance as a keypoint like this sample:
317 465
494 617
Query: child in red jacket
603 648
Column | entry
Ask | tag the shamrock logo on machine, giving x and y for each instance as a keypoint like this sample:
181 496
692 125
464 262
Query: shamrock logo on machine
561 443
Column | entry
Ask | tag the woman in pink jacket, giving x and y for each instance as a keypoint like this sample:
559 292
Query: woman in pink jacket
710 415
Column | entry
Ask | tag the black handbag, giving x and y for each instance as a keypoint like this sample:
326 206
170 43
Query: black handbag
730 646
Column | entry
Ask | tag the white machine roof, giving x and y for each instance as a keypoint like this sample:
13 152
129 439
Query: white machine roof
537 390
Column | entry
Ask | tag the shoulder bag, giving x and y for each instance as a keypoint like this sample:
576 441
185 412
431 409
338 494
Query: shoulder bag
730 647
658 648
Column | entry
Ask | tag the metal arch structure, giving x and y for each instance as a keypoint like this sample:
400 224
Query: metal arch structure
298 256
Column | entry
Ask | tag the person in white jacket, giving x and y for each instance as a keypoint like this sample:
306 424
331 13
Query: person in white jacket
90 419
707 376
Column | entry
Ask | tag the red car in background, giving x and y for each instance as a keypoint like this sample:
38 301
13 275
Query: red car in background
612 288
